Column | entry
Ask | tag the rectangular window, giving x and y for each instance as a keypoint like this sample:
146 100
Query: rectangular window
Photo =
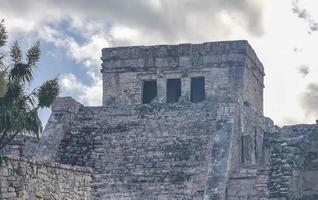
149 91
173 90
197 89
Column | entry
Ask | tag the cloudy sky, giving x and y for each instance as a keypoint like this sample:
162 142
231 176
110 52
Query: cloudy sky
282 32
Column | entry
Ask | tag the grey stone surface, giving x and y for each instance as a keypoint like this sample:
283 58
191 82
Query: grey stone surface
293 163
156 151
63 111
25 180
231 69
20 145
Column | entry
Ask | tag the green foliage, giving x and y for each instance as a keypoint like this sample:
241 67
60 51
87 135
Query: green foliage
47 92
3 84
3 40
18 108
3 34
13 94
33 54
24 71
16 53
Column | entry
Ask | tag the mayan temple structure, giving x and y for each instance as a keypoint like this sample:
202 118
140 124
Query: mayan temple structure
178 122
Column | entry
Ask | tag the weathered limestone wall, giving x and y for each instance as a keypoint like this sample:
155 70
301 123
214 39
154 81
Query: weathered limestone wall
25 179
128 91
233 74
155 151
221 159
177 151
248 178
249 184
293 163
18 146
225 66
253 88
253 128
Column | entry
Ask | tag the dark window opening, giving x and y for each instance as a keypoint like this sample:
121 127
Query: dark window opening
173 90
149 91
197 89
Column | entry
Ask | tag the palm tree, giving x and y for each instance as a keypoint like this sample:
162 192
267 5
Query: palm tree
19 108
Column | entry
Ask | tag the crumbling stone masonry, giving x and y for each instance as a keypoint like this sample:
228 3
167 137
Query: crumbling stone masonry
182 122
24 179
293 163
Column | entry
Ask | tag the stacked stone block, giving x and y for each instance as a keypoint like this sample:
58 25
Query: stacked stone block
24 179
293 159
152 151
231 68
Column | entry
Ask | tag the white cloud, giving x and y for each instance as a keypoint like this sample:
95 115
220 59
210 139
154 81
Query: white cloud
86 53
112 23
270 26
88 95
165 20
125 34
284 87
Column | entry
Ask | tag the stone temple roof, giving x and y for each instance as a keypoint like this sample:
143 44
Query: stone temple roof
145 56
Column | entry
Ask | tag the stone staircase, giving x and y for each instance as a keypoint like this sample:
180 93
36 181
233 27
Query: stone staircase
261 183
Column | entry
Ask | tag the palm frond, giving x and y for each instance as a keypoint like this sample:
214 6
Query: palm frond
14 91
22 72
33 54
16 119
12 119
3 34
48 92
33 123
16 53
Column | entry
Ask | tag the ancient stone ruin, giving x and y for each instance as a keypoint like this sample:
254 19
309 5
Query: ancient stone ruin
177 122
